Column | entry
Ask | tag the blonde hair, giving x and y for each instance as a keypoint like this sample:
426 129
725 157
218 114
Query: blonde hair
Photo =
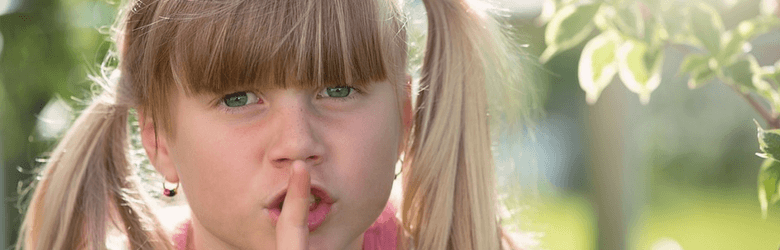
449 199
449 189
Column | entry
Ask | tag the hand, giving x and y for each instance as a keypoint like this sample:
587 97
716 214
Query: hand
292 230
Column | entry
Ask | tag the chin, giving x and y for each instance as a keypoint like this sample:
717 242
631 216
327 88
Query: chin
329 240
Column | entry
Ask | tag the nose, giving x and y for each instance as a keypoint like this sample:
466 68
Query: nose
295 137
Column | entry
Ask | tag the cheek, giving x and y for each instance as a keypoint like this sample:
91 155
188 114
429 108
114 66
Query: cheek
219 170
205 153
372 154
212 164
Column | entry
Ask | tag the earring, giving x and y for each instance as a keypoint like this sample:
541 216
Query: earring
170 192
400 170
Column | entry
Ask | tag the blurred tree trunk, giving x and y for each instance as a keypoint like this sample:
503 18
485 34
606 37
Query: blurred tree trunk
607 151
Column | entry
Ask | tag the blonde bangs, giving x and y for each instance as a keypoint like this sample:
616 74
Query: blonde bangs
226 46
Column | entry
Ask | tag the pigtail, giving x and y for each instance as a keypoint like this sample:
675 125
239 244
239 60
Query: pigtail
87 184
449 191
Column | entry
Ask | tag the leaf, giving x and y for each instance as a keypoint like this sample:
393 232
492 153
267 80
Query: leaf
639 74
765 90
707 26
768 142
568 28
629 21
763 80
732 46
700 77
775 75
734 40
603 18
548 11
756 26
693 62
739 73
768 177
597 66
655 34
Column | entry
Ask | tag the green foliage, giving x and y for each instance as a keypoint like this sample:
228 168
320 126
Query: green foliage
697 66
568 28
768 182
769 174
639 68
740 73
629 21
631 40
706 25
598 66
769 143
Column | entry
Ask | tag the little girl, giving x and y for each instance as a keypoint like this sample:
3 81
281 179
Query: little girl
283 120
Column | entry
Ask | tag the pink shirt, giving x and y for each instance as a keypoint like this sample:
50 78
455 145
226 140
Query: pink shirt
380 236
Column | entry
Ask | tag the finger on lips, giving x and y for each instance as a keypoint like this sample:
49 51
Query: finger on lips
292 230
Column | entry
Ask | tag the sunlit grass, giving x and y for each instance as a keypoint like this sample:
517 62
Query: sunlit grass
707 219
677 218
560 222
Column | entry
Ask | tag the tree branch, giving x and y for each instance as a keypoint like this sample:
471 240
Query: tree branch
771 119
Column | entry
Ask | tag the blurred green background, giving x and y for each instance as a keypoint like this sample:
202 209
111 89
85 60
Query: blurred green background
678 173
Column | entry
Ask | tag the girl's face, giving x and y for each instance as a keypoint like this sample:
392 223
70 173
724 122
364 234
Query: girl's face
233 158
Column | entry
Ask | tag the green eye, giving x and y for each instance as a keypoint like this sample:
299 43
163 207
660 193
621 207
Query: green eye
239 99
338 91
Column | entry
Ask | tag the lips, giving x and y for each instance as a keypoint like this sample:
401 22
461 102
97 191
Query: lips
319 207
318 193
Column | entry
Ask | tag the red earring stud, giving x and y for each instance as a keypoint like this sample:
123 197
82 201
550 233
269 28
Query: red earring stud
170 192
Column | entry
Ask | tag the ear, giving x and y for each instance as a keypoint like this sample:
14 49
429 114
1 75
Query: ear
156 147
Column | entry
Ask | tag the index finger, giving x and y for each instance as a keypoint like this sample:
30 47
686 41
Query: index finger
292 230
